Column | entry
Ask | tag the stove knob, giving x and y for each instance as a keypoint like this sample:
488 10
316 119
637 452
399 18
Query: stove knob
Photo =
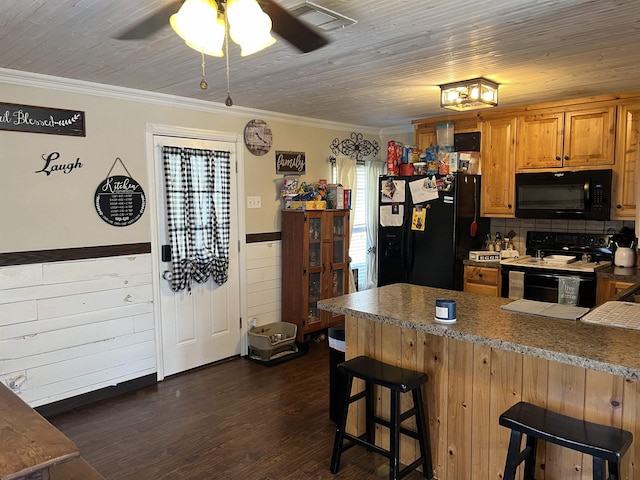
592 239
601 241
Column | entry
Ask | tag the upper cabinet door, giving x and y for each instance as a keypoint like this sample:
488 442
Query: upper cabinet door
589 137
425 136
627 160
539 141
498 164
571 139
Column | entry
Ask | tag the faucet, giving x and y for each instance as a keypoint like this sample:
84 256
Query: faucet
539 254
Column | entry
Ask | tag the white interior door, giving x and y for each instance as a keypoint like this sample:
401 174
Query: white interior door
201 326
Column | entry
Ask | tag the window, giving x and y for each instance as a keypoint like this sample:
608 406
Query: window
358 244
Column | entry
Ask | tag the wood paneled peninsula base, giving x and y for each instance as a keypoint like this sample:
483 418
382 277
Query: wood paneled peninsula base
486 362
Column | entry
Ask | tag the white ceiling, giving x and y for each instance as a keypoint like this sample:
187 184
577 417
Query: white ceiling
384 71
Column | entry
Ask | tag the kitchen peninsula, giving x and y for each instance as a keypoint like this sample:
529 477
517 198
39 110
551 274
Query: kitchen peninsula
489 360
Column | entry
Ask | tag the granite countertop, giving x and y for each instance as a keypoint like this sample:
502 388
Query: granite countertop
487 264
481 320
630 274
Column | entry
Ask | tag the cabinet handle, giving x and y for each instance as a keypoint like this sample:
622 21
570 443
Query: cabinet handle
566 157
618 206
479 275
509 205
558 158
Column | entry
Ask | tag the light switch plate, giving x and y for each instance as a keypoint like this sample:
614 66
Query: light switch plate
254 202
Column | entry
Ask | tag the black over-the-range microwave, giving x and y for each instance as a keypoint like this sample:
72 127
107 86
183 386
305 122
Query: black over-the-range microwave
584 194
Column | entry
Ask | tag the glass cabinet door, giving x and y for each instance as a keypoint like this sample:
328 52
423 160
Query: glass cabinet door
314 263
314 295
339 239
338 282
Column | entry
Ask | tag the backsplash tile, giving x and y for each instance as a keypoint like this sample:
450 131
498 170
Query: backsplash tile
522 226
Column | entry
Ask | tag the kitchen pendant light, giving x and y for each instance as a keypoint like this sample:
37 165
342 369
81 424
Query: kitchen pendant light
469 95
203 27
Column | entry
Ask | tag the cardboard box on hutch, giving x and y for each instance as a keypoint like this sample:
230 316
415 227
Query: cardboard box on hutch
347 199
335 197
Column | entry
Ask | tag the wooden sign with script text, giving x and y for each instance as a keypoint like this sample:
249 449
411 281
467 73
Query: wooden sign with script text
27 118
290 162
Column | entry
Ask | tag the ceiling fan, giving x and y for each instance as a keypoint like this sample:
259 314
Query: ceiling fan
302 36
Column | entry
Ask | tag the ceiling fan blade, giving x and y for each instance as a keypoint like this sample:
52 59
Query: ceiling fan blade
151 24
302 36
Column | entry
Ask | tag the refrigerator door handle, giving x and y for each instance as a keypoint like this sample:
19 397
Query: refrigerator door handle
409 247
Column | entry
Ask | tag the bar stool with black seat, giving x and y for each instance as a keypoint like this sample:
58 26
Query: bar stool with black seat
603 443
397 380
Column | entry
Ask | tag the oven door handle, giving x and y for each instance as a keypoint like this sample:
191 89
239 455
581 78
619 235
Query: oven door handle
553 275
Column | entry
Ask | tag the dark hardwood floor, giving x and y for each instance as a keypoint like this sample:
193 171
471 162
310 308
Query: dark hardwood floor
235 420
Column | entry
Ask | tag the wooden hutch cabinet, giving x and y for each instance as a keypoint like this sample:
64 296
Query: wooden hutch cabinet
580 138
315 266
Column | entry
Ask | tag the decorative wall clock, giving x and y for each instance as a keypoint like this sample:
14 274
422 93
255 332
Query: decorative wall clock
258 137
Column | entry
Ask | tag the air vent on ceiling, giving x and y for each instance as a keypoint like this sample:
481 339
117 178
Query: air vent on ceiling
321 17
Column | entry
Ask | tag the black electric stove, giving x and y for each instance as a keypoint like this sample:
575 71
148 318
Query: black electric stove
597 246
551 256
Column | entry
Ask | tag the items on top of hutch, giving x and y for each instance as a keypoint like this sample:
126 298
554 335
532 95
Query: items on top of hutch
299 195
315 244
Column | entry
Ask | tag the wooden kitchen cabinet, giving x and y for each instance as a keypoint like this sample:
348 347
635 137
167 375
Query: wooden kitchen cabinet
627 157
566 139
498 167
425 130
607 288
425 136
482 280
315 266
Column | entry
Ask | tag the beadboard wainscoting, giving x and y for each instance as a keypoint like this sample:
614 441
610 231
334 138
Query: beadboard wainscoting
263 294
71 327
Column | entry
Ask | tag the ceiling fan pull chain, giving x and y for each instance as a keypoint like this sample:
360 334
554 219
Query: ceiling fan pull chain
228 102
203 84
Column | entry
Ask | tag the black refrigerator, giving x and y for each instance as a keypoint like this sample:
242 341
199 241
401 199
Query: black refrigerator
425 228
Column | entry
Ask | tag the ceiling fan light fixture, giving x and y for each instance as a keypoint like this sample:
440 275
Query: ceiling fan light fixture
469 94
199 25
249 26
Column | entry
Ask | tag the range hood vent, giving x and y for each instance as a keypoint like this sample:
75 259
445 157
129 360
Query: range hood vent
321 17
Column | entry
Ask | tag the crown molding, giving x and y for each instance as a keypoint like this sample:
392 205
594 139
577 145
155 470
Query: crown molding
37 80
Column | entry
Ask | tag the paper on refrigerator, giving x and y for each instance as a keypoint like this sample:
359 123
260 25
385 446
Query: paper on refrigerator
423 190
391 215
395 194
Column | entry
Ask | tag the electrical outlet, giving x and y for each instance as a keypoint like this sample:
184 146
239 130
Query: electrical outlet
254 202
253 322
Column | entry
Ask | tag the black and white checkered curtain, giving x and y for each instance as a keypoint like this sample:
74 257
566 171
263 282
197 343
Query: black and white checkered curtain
198 186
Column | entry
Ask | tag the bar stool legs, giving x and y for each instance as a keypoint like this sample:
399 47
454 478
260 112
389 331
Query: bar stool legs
601 442
399 381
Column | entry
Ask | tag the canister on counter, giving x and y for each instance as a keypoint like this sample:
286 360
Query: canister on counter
445 310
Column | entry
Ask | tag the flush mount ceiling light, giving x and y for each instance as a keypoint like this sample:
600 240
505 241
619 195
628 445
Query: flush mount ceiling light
469 95
203 27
